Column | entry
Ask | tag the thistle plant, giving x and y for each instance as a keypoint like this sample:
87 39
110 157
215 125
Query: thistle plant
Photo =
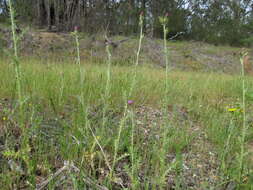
245 126
163 169
78 61
109 62
164 21
24 151
137 54
15 57
75 34
108 81
105 98
105 106
126 111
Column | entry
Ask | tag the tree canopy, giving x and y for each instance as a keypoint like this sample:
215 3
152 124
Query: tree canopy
215 21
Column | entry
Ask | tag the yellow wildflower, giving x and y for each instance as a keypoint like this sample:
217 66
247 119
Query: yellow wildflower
4 118
232 109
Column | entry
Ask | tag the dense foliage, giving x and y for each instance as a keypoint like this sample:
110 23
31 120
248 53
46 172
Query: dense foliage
226 21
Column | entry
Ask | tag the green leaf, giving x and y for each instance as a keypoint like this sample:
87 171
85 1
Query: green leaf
249 96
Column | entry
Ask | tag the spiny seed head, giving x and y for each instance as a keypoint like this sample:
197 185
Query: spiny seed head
76 28
163 20
141 19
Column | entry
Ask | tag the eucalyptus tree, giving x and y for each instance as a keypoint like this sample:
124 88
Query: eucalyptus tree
227 21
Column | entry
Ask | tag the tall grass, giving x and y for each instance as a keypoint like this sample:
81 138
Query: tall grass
43 84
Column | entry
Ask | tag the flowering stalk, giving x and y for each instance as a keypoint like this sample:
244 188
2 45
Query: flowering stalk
137 54
78 58
116 144
244 127
107 88
108 81
129 102
163 167
75 33
15 58
164 21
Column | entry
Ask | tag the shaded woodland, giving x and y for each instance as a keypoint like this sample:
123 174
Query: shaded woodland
215 21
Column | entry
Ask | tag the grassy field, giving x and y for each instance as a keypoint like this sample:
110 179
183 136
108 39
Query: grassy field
71 132
73 116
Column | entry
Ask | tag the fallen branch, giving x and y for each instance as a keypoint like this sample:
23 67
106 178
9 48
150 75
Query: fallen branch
114 44
68 166
46 182
173 37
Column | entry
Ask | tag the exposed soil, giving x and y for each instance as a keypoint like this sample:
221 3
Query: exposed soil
182 55
199 160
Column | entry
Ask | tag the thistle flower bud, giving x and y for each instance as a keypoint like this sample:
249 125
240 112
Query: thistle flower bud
76 28
129 102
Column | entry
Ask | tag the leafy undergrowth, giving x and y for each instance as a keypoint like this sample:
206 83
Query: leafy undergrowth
68 135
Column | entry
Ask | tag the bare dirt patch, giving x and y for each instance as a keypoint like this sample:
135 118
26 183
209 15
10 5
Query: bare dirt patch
182 55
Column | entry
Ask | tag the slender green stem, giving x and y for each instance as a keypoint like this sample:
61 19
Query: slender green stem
13 29
15 58
81 71
107 86
77 47
244 127
165 31
137 56
78 54
100 147
163 168
109 62
122 122
125 115
116 144
132 143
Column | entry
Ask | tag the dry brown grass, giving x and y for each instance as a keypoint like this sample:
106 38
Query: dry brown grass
248 68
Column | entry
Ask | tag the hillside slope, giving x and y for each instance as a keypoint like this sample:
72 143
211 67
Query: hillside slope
193 56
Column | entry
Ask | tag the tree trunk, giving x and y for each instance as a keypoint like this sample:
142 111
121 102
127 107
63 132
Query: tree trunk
144 14
57 14
39 12
48 7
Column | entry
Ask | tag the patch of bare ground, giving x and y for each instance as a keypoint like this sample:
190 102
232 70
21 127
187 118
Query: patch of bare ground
189 55
250 151
199 160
